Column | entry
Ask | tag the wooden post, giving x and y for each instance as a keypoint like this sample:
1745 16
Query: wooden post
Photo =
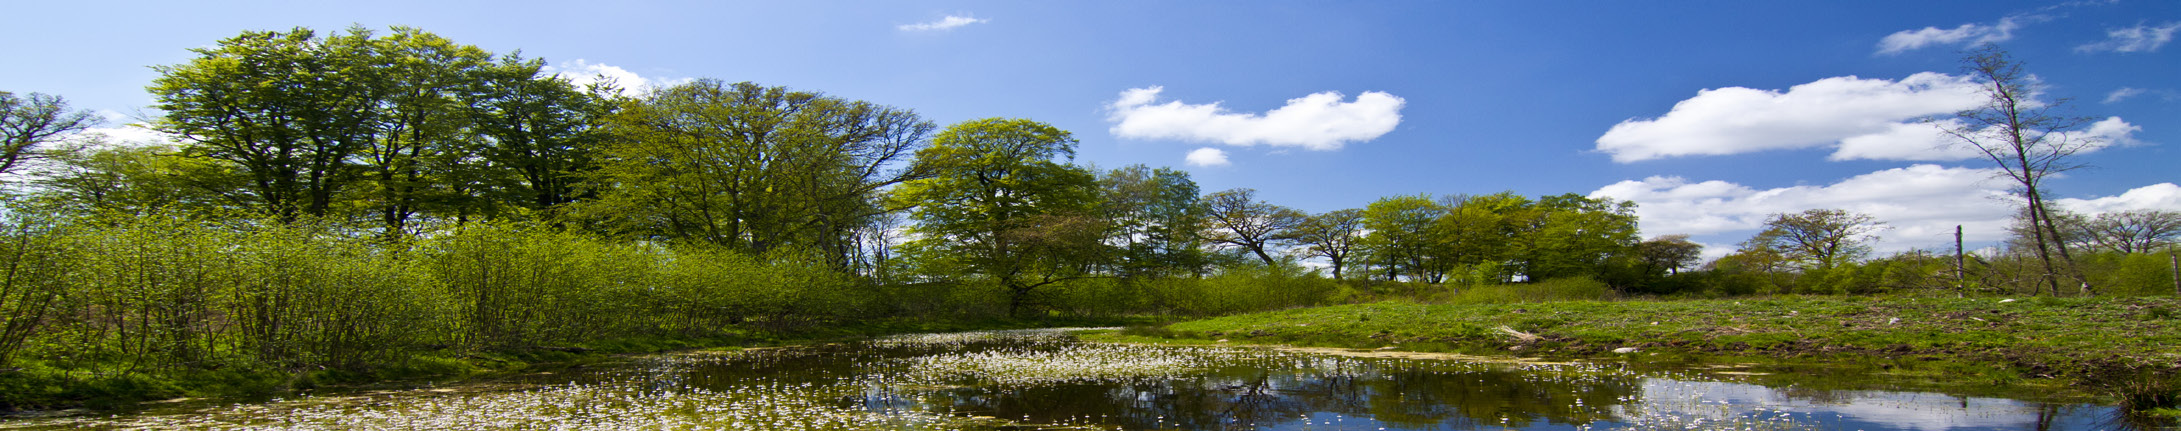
1960 272
2175 261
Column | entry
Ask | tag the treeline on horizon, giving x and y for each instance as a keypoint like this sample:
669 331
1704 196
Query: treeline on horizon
354 200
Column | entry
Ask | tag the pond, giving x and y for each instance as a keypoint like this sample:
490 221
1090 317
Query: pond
1049 380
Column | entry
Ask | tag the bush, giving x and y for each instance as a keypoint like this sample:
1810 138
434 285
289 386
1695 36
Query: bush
1245 289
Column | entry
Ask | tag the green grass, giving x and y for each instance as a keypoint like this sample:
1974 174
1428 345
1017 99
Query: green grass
2095 343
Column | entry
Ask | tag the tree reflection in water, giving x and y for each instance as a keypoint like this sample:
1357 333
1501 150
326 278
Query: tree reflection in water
1268 390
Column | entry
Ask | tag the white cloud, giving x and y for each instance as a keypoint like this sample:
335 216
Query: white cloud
1930 142
2122 94
1320 121
1736 120
2162 196
132 134
1921 204
1966 34
584 73
948 23
2141 38
1208 156
2105 133
122 130
1906 141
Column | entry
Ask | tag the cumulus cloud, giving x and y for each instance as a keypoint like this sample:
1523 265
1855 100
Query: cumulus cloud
1320 121
1862 119
2122 94
1966 34
2108 132
948 23
1208 156
1929 141
1736 120
2161 196
1906 141
2141 38
1921 204
584 73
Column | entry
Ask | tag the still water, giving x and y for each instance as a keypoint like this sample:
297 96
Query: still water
1048 380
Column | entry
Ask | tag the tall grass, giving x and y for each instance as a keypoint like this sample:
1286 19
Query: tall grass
124 296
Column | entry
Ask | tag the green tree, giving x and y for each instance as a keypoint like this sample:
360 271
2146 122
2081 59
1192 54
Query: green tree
1668 254
139 180
1572 235
1473 234
1005 207
1404 236
290 109
754 168
539 135
423 130
29 122
1155 218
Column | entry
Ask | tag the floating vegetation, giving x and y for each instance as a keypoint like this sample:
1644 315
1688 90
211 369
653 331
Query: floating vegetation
1043 379
619 404
1073 364
956 339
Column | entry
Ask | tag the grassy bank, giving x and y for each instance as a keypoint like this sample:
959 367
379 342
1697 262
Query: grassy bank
2107 343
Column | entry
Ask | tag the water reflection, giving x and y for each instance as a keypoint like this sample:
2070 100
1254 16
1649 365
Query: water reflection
1047 380
1870 409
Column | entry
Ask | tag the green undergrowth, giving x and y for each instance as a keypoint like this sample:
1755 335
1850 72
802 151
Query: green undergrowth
2090 345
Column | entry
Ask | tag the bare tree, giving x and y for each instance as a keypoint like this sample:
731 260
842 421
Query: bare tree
2137 231
26 123
1332 235
1239 219
2027 139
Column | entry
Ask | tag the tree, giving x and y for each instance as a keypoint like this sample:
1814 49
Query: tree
1403 235
1669 253
1571 235
1236 218
29 122
2027 139
1155 217
422 133
138 180
1472 238
290 109
1818 239
541 130
1332 235
754 168
2134 231
1004 207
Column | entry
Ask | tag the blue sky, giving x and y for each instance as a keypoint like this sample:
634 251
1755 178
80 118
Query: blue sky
1710 115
